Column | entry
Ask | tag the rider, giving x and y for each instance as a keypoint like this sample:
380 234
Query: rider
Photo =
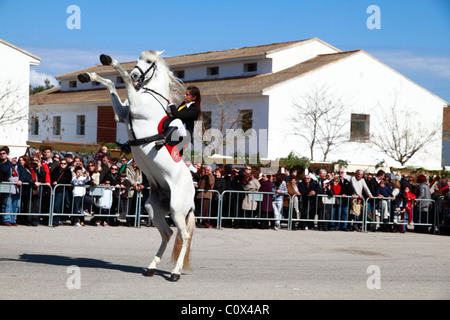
184 116
182 119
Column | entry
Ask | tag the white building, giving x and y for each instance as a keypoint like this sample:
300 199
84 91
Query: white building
14 90
256 89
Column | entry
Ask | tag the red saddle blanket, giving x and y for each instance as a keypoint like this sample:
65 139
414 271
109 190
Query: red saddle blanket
173 150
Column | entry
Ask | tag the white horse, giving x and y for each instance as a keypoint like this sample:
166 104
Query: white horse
172 190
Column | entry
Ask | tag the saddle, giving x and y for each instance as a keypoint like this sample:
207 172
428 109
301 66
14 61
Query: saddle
171 146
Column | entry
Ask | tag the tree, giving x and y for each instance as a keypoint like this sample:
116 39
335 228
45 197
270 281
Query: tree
401 136
41 88
11 98
317 118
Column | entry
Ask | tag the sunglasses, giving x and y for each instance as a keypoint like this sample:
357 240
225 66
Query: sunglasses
63 163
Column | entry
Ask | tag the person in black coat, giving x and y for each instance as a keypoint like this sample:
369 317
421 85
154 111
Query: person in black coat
186 113
61 176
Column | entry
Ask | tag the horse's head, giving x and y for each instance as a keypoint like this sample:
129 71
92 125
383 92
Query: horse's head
146 67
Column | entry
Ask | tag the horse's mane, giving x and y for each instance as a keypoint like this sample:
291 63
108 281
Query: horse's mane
176 88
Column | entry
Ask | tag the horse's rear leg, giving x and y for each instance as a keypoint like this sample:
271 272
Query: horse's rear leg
182 246
157 215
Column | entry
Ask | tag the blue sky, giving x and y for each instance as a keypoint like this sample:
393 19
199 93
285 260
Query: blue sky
414 37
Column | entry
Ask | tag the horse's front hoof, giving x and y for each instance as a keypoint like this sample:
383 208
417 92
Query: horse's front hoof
174 277
105 60
149 272
84 78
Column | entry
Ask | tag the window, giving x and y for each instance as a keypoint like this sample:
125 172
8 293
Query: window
72 84
95 83
206 120
81 125
57 125
34 126
179 74
212 71
250 67
119 80
360 127
245 119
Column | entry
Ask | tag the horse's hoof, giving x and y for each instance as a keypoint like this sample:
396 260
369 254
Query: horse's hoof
149 272
84 77
174 277
105 60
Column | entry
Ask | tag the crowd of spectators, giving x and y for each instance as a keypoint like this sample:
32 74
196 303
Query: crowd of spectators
393 204
30 180
321 200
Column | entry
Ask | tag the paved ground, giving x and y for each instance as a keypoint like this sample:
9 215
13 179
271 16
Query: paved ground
35 263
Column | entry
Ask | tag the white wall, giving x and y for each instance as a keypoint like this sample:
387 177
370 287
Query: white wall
297 54
367 87
68 122
15 78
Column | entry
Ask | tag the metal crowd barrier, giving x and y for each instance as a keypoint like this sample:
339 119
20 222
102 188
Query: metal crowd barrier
222 209
424 214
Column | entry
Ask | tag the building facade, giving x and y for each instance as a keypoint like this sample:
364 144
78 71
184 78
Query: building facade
259 100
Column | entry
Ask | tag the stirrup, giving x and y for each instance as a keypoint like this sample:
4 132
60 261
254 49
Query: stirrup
159 144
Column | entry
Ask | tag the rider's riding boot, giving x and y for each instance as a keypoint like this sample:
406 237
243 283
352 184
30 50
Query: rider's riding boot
125 147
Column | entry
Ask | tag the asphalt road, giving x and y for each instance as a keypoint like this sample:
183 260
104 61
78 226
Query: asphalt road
107 262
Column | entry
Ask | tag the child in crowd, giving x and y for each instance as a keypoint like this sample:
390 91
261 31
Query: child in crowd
355 212
79 195
105 202
408 198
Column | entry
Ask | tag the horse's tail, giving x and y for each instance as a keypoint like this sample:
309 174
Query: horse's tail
190 227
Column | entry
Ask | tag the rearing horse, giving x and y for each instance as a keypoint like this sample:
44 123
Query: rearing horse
172 190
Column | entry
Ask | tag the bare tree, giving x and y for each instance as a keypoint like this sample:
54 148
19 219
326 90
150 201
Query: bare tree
11 104
401 136
317 118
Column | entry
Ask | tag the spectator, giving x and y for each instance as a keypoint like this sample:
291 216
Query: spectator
35 179
112 175
384 192
5 175
56 158
346 190
325 206
123 164
359 189
135 176
237 184
122 194
226 199
103 151
423 203
77 162
81 202
104 204
220 185
69 158
91 169
407 204
252 185
61 176
308 189
336 210
103 167
294 194
266 203
206 183
48 158
279 187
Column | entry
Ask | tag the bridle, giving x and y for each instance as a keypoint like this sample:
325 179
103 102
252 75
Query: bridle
148 90
143 74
